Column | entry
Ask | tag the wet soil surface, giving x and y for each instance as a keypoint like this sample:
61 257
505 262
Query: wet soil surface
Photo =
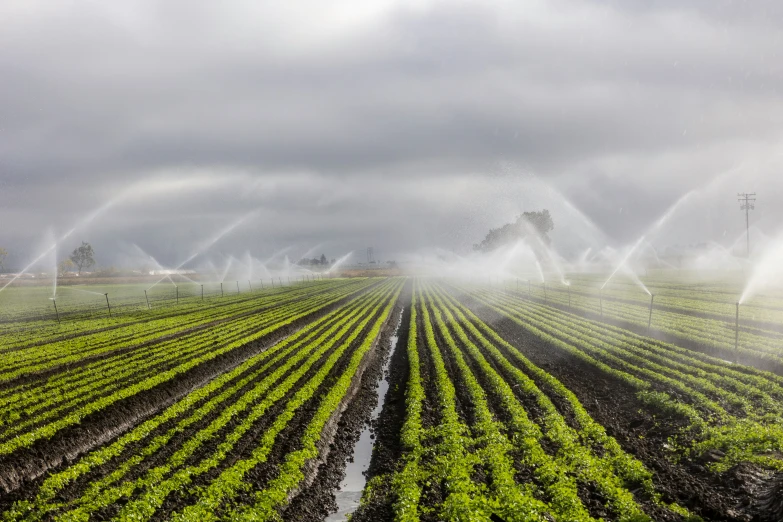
318 500
387 451
728 355
21 472
730 496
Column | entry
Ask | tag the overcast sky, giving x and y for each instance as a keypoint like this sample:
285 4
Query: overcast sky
397 125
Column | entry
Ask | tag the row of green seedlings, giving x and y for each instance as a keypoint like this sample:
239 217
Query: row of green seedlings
206 348
573 463
71 383
35 338
74 349
46 328
735 410
269 377
30 405
718 301
122 304
33 406
449 452
747 399
754 343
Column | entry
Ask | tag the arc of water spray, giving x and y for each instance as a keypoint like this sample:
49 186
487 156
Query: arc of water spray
208 244
339 262
624 261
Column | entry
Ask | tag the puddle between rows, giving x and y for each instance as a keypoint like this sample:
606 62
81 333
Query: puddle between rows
350 491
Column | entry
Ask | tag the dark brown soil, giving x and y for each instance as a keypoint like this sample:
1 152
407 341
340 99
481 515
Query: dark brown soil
640 431
24 466
387 451
757 361
318 500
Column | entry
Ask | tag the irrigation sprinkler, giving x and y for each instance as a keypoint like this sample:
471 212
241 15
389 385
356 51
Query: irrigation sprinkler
273 281
107 302
55 310
177 289
249 285
221 289
569 297
289 280
237 286
280 280
262 283
649 321
148 300
202 292
545 297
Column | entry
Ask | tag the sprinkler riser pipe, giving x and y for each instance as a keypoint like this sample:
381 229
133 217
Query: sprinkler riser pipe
221 289
649 321
237 286
148 300
107 304
202 292
55 310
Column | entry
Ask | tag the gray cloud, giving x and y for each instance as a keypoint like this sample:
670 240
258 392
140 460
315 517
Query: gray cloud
393 124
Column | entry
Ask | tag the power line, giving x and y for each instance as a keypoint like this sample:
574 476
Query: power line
747 205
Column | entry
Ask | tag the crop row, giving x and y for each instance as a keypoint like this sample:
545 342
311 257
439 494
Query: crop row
218 433
736 409
154 320
490 414
683 297
754 343
35 412
92 345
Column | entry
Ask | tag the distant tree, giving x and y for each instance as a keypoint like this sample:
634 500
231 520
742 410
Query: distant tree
65 266
323 259
540 222
333 261
3 255
83 257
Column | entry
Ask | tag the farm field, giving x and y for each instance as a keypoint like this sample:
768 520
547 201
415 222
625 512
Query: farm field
700 316
500 403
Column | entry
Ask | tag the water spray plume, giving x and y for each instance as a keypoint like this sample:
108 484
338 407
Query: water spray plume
766 272
339 262
623 261
90 217
210 242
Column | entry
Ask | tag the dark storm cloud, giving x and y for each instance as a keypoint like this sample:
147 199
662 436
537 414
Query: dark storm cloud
354 124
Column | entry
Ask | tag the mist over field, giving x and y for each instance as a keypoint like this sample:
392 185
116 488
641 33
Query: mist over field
404 126
391 260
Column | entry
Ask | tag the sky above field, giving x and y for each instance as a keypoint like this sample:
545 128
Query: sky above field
397 125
